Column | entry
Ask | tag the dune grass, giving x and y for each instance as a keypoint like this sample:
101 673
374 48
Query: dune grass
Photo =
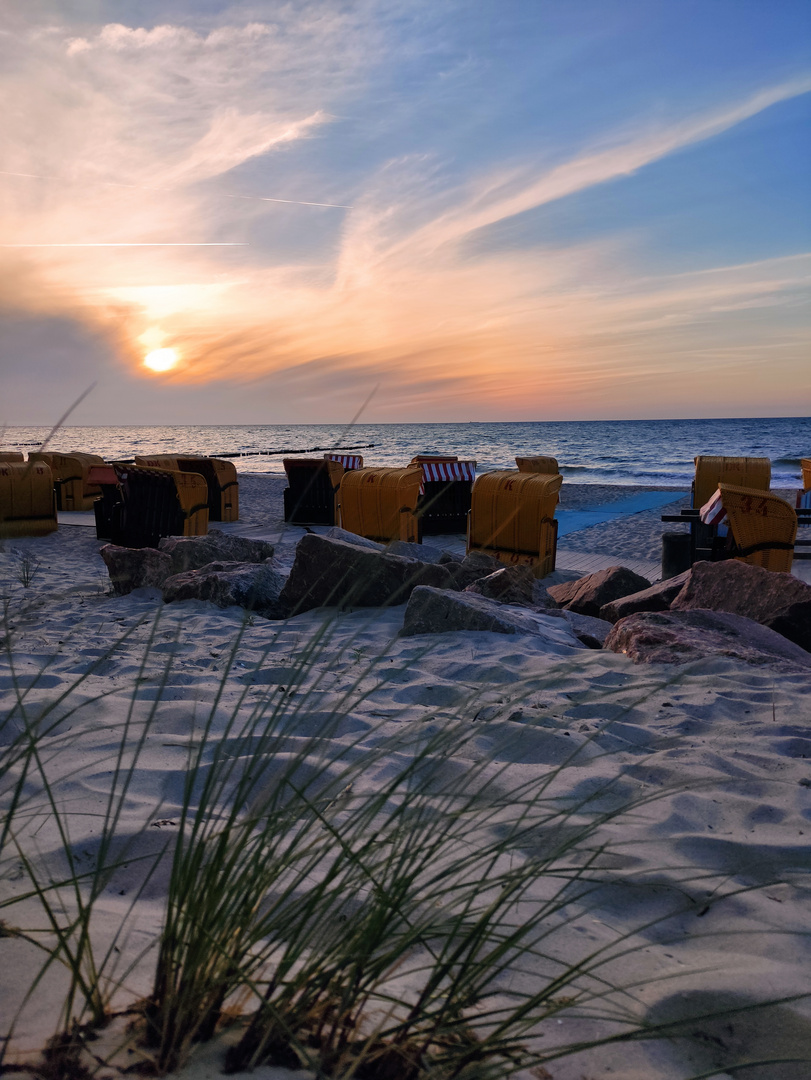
356 905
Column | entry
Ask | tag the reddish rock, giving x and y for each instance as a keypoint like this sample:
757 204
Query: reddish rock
135 568
779 601
589 594
677 637
513 585
657 598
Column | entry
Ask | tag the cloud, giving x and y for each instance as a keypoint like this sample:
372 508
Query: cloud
135 120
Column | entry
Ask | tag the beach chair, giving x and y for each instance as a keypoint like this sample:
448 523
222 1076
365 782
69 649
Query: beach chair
220 476
748 472
512 517
70 478
27 500
804 494
381 504
546 465
444 501
148 503
763 527
11 455
311 495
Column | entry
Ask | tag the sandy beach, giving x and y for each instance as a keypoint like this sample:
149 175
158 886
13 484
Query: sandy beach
686 789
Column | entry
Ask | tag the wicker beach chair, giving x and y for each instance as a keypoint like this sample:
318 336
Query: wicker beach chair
445 493
71 485
27 500
804 495
12 455
381 504
149 503
763 527
220 476
311 495
748 472
513 518
546 465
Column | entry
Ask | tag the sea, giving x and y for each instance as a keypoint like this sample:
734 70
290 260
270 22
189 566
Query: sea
656 453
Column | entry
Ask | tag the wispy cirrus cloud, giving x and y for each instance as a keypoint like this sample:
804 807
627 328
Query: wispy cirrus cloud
138 121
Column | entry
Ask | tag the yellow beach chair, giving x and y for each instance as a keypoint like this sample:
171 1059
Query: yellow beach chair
12 455
512 517
546 465
220 476
73 490
763 527
747 472
381 504
27 500
311 495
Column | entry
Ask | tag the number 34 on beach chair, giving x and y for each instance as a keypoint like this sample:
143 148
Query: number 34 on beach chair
763 527
512 517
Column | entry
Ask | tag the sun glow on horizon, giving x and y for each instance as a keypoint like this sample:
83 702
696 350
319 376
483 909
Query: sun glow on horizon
161 359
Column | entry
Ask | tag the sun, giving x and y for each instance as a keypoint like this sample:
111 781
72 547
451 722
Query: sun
161 359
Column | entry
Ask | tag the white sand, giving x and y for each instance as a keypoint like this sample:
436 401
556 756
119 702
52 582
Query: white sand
709 879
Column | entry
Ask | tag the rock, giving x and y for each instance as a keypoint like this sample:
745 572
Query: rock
590 631
255 586
657 598
472 567
330 572
420 552
779 601
194 552
135 568
676 637
336 533
439 611
588 594
515 585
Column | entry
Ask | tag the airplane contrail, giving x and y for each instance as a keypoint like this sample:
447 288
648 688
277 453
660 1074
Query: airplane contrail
149 187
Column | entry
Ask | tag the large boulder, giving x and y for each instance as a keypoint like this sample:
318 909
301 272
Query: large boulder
328 572
676 637
255 586
658 597
513 585
439 611
589 594
779 601
195 552
135 568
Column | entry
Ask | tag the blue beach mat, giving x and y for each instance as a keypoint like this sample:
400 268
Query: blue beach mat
570 521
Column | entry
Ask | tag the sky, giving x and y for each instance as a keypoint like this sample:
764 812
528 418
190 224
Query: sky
428 210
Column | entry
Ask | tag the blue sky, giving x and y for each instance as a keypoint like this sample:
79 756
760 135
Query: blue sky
543 210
